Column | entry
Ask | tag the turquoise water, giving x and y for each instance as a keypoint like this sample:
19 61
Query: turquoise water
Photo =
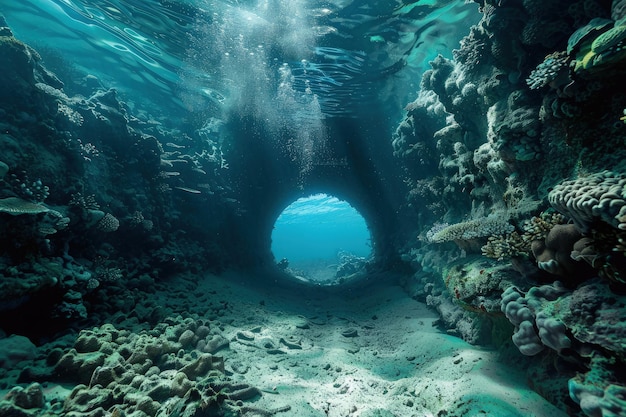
319 227
191 59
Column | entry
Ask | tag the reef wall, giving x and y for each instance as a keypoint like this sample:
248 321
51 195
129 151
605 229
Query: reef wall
94 200
521 229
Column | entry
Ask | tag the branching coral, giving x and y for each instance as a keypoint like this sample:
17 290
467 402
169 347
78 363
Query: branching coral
519 244
505 246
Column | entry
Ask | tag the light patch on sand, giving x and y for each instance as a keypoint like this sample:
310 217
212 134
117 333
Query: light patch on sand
398 364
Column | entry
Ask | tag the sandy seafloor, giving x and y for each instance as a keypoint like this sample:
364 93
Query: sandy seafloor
367 352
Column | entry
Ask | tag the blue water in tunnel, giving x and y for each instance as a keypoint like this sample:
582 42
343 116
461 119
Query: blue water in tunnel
320 227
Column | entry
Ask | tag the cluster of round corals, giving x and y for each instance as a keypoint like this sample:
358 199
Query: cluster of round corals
166 371
552 67
574 323
33 191
535 328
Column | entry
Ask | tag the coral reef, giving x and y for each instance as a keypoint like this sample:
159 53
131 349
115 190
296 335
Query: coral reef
519 243
551 71
75 172
544 137
169 369
553 254
525 311
513 149
596 197
471 230
584 326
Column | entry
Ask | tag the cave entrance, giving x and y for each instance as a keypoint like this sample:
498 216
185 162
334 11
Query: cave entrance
322 240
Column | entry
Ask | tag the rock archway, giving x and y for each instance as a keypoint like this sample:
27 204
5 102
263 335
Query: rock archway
355 165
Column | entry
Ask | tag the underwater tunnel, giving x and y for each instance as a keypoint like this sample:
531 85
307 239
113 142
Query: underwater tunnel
354 167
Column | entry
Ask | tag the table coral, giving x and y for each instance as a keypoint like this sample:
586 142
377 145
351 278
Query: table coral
472 229
16 206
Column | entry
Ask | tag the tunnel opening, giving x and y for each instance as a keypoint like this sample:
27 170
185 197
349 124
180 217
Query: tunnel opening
322 240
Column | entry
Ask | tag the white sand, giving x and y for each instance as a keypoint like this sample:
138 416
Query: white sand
397 365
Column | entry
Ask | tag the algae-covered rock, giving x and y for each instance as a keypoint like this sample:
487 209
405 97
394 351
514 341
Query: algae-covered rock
141 372
23 402
15 349
19 283
16 66
476 283
4 168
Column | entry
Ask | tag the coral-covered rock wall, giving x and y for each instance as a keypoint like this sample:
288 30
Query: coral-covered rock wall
525 212
91 194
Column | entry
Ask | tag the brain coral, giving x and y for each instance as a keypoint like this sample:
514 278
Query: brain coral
599 196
